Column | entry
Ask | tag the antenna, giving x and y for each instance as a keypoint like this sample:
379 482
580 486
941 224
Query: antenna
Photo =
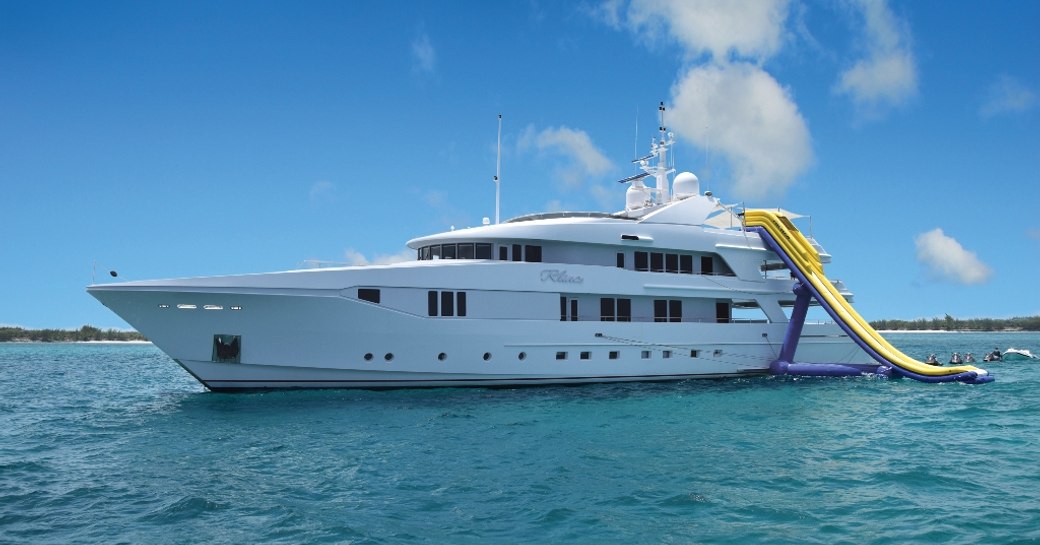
498 172
635 142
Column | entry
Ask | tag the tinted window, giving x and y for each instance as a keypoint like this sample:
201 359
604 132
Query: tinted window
426 252
516 253
447 303
624 310
671 263
448 251
707 266
642 263
621 260
461 303
686 264
368 294
606 309
466 251
657 262
431 298
435 251
533 253
660 310
675 310
483 251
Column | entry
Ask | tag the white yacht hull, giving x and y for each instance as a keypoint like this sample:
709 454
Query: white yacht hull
322 339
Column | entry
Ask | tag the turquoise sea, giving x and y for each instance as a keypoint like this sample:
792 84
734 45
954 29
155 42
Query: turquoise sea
117 444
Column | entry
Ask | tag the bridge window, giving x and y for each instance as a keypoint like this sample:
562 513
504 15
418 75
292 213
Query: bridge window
466 251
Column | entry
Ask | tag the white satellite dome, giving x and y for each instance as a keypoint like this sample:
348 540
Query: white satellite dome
637 196
686 184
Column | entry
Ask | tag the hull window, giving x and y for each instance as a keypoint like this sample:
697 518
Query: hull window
227 348
445 303
368 294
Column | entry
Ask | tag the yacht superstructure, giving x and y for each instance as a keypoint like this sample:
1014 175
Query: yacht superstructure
675 286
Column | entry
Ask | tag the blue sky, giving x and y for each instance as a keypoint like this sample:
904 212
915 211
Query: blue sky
166 139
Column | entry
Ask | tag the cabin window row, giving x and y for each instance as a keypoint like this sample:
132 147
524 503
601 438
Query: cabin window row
481 250
667 262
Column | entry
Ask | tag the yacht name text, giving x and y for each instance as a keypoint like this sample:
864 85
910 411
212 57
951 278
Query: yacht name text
560 277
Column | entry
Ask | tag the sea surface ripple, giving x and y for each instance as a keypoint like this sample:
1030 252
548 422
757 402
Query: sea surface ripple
116 444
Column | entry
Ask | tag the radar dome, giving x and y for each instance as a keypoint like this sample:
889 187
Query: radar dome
637 196
686 184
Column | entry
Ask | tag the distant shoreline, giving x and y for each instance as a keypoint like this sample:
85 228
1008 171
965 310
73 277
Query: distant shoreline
928 331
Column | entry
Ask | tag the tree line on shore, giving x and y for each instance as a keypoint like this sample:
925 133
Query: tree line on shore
949 323
83 334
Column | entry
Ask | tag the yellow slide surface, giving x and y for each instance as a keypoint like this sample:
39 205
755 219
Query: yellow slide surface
807 259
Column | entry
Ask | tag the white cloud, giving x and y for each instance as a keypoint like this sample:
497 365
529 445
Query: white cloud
947 259
423 55
741 112
322 191
1007 95
582 159
744 28
354 257
887 76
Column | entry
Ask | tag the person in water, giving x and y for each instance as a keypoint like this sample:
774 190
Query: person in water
931 360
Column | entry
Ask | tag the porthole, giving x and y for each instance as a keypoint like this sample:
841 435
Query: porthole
614 354
368 357
487 356
645 354
442 356
666 354
388 357
586 355
521 356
